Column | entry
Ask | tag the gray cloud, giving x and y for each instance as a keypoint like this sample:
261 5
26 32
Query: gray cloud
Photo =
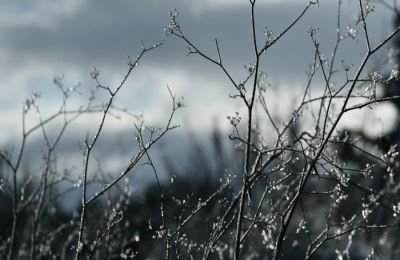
41 39
105 32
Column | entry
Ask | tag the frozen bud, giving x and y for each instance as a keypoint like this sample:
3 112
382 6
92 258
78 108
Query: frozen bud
351 32
394 74
94 73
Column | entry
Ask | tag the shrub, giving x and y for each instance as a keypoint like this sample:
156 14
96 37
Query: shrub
296 192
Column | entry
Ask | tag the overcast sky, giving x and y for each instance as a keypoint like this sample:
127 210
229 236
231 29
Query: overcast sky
40 39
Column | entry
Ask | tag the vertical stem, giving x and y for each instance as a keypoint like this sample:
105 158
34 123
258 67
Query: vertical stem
15 215
15 190
247 167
